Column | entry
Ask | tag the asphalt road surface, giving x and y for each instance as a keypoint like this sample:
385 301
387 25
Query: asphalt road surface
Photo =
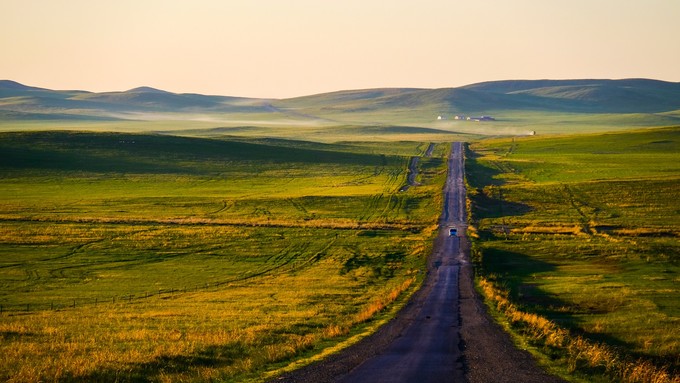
429 350
444 333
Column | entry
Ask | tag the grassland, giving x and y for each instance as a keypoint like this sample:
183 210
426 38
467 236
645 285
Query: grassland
140 257
583 230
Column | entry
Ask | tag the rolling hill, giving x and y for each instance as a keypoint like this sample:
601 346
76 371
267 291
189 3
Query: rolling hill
18 101
605 96
589 96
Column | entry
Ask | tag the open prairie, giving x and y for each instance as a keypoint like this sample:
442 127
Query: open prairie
583 230
156 258
155 236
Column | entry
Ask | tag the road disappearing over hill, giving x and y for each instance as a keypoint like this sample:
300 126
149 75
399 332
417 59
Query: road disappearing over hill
444 334
429 349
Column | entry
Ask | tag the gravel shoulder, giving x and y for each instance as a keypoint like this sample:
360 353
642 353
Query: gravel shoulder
488 351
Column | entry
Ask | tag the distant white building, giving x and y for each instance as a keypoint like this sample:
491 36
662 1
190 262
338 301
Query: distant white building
477 119
472 118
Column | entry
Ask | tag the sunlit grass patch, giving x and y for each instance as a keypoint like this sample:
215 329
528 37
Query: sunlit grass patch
582 230
175 259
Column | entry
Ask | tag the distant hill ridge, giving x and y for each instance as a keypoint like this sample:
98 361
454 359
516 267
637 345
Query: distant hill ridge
146 89
579 95
13 85
599 96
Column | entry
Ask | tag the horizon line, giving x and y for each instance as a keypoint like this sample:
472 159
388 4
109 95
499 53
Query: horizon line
157 89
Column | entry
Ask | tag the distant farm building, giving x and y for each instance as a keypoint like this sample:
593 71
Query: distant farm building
470 118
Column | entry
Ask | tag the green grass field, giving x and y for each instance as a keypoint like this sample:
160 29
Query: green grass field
583 230
141 257
208 240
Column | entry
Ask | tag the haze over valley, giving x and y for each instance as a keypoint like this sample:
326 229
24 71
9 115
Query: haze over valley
518 107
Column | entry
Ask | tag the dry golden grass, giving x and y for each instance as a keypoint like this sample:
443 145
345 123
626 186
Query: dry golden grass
192 337
579 352
382 301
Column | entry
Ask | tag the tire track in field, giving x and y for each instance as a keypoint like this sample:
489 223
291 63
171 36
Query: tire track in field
34 275
60 272
285 262
297 205
371 207
579 206
589 224
286 258
226 205
284 254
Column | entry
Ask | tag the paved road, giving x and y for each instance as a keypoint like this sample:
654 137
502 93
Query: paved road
429 349
444 333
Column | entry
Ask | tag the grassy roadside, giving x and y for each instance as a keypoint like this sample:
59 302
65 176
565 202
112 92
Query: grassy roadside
153 258
581 231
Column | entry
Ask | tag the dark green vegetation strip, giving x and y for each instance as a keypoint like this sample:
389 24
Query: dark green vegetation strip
149 257
160 154
584 231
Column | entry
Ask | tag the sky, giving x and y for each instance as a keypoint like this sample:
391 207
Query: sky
288 48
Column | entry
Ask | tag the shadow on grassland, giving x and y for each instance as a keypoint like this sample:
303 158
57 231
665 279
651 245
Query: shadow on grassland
487 191
489 203
220 357
480 174
514 269
146 153
517 273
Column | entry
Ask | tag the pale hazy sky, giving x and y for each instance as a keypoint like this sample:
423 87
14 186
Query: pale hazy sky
285 48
